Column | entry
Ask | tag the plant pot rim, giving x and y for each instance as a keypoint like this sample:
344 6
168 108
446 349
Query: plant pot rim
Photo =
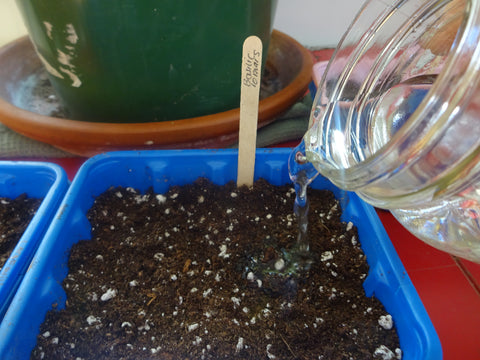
216 130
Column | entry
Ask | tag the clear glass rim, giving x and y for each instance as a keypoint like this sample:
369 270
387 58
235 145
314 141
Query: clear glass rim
447 86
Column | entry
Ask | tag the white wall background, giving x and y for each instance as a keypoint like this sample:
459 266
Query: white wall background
11 25
314 23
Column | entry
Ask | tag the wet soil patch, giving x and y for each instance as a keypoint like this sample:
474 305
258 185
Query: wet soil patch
205 272
15 215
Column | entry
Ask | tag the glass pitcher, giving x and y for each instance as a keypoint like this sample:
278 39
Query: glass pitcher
396 117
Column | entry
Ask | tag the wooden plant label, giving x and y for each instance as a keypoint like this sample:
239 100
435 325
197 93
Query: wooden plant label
249 100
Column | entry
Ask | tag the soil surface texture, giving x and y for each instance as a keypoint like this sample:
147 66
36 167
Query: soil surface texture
15 215
212 272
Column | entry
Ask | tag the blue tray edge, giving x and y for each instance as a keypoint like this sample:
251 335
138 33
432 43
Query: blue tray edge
424 335
13 271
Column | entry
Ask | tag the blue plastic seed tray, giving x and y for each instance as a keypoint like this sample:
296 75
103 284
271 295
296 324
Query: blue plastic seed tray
38 180
41 288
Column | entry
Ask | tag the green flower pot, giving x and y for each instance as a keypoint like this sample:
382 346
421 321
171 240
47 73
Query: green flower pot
145 60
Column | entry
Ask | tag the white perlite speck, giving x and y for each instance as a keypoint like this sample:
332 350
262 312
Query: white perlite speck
223 251
108 295
386 322
327 255
93 320
384 353
236 301
349 226
279 264
354 240
240 345
158 256
192 327
269 354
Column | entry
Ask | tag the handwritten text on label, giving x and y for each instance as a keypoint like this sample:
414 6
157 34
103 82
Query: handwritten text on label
252 69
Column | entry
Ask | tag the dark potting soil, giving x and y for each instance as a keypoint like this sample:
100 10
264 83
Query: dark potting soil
201 272
15 215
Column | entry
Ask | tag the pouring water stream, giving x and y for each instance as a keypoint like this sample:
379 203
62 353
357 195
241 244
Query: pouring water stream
406 95
302 173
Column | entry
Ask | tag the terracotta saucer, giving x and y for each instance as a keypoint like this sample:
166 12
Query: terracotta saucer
287 60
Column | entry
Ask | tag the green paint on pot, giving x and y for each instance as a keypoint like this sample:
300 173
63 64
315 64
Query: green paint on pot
148 60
